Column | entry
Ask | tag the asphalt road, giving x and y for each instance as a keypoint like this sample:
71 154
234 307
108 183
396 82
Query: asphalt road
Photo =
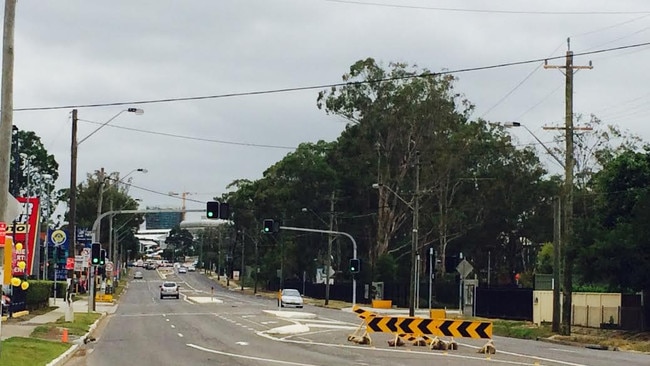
231 328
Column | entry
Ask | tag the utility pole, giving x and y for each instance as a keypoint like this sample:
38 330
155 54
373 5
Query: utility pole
243 246
328 261
567 232
557 235
72 216
6 116
414 237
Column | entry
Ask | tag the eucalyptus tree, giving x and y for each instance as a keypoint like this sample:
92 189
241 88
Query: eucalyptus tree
616 239
33 170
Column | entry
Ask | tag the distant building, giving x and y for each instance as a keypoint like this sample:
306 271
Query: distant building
161 220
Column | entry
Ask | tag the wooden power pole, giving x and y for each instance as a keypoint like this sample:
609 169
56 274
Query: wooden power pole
567 199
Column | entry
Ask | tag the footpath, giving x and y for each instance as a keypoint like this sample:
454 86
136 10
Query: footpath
17 328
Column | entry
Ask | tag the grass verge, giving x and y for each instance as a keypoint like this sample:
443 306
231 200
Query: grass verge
30 351
78 327
520 329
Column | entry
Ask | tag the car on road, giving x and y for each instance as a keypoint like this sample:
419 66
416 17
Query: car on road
169 288
182 269
191 269
137 275
291 297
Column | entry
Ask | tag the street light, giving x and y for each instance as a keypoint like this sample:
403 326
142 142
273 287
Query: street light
518 124
414 238
328 260
74 144
183 197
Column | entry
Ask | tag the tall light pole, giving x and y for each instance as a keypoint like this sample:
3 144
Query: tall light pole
330 239
72 247
414 237
183 197
562 235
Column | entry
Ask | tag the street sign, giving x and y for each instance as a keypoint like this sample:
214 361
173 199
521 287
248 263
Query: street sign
109 266
464 268
69 263
58 237
78 263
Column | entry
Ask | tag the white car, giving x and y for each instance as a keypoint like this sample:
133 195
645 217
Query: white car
191 269
291 297
182 269
169 289
137 275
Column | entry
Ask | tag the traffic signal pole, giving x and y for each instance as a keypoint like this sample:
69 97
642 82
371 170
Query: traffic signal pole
354 250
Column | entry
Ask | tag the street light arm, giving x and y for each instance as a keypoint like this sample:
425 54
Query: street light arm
517 124
380 185
131 110
305 209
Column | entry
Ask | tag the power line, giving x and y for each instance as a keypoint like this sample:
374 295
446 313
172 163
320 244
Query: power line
195 138
326 86
465 10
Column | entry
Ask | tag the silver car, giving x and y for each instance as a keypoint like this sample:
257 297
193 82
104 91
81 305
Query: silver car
137 275
169 289
291 297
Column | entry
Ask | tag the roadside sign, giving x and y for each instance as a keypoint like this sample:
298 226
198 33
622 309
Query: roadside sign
78 263
69 263
3 233
58 237
109 266
464 268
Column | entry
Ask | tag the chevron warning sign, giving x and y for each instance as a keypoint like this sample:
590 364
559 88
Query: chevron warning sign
422 326
363 314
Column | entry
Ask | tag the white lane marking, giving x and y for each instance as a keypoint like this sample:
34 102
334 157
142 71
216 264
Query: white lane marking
246 357
242 343
185 299
537 358
271 322
167 319
173 326
180 335
562 350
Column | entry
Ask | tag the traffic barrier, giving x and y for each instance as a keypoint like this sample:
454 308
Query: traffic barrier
437 327
104 298
437 314
64 335
382 304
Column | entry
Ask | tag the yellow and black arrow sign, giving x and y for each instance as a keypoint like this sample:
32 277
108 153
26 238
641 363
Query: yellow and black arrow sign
363 314
439 327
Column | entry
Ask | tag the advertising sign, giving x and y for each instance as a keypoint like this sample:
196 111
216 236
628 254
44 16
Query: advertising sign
25 231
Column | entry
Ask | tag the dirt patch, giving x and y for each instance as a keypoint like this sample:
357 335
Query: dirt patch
612 339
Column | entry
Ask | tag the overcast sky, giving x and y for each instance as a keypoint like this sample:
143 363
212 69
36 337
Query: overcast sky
73 53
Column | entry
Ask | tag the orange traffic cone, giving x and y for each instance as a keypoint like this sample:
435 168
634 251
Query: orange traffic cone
64 336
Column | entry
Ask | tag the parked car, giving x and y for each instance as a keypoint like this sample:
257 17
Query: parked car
137 275
169 289
291 297
182 269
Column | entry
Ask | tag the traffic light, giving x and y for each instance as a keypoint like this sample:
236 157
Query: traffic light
355 265
102 257
268 226
212 210
95 250
217 210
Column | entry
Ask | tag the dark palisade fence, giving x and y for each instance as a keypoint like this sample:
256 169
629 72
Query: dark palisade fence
505 303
